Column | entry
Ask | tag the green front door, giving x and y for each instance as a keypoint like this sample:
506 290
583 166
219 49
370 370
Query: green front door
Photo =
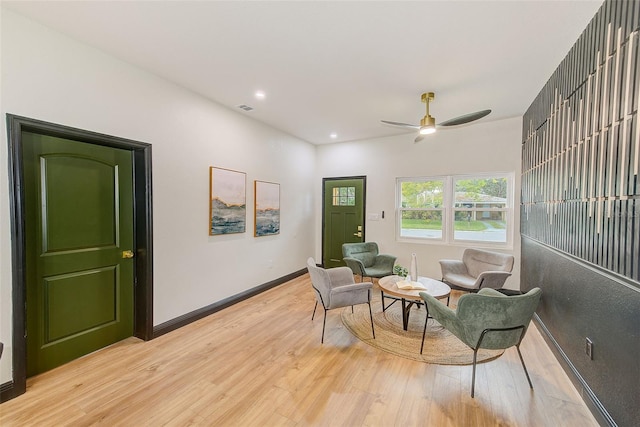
343 214
79 226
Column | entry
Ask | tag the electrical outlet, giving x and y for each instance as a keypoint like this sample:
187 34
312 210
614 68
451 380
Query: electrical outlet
589 348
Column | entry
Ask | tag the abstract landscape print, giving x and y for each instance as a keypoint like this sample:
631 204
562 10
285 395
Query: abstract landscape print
267 208
227 201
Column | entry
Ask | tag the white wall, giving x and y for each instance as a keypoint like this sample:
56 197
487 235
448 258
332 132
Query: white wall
50 77
478 148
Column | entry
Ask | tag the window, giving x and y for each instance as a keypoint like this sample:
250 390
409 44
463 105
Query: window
344 196
456 209
480 208
421 208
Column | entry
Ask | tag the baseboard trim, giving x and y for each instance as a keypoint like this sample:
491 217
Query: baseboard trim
8 391
590 399
185 319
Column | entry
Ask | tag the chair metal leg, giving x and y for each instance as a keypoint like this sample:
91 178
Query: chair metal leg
371 317
525 368
324 322
424 331
479 345
351 309
314 310
473 376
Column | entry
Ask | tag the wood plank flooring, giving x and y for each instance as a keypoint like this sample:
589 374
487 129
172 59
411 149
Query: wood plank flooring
260 363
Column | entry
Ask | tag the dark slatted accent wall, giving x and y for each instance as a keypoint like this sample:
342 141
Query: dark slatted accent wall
580 156
580 211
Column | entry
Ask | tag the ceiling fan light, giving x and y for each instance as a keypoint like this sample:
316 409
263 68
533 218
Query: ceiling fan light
426 130
427 125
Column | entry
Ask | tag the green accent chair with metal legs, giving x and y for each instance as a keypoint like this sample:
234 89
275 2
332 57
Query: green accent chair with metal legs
365 260
488 319
335 288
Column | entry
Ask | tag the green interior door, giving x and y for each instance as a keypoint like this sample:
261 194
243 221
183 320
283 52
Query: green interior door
343 212
79 225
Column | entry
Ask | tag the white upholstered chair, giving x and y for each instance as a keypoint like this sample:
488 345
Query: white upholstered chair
478 269
336 288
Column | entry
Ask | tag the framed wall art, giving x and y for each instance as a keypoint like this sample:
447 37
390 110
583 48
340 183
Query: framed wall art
267 208
227 201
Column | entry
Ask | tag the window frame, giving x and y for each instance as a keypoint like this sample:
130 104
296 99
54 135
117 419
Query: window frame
449 210
400 209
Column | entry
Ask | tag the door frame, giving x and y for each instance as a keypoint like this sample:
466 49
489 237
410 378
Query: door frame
364 207
143 233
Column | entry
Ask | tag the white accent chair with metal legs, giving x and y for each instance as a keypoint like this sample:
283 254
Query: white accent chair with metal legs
335 288
478 269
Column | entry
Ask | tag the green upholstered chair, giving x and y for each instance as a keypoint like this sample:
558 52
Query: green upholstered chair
488 319
478 269
336 288
365 260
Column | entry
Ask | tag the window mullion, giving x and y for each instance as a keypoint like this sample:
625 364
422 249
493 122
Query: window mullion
450 212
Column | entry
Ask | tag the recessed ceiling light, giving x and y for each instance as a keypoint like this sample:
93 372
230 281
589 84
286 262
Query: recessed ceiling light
260 94
333 135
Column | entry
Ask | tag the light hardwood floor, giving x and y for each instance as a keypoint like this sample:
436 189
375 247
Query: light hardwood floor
260 363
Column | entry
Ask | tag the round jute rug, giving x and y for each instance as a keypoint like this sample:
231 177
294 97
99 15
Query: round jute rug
440 346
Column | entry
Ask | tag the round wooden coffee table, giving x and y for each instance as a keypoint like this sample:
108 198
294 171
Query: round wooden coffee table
409 297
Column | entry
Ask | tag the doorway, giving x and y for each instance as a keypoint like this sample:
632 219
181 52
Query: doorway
343 207
70 150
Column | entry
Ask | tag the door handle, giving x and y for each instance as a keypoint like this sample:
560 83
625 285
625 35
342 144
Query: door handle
358 234
127 254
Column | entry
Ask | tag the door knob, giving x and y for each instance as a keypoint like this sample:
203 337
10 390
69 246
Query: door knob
127 254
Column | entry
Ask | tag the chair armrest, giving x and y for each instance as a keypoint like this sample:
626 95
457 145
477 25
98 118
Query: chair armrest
452 266
340 276
490 292
492 279
387 258
353 287
444 315
385 261
355 293
356 266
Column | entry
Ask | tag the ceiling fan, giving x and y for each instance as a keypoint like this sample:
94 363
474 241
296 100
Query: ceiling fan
428 123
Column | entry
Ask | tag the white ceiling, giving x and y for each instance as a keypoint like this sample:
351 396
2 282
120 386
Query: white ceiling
336 66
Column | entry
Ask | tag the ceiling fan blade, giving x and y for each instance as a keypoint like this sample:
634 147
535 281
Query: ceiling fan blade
465 119
404 125
419 138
